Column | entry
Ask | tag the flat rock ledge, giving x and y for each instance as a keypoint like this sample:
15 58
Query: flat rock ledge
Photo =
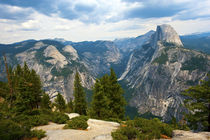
97 130
189 135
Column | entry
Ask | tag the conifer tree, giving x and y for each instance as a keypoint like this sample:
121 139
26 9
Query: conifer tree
27 87
24 97
198 103
45 101
100 103
80 104
35 88
105 82
60 103
108 100
70 106
117 102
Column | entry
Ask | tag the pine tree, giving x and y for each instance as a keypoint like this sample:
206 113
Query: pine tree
70 106
35 88
108 100
60 103
27 88
100 104
80 104
106 84
45 101
117 101
198 103
23 97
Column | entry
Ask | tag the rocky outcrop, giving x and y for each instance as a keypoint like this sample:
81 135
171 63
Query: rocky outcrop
188 135
97 130
55 57
166 33
72 115
72 52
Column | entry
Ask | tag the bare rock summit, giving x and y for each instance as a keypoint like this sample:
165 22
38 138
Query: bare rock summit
167 33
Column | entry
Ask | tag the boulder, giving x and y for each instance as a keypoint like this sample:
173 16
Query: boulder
72 115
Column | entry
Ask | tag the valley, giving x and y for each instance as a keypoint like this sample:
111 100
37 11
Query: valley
154 68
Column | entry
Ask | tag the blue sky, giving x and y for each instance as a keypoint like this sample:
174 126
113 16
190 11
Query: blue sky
79 20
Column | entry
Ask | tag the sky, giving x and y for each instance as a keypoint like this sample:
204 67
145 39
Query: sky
90 20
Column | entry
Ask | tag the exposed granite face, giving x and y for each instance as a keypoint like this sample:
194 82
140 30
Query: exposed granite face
69 49
168 34
158 72
188 135
56 58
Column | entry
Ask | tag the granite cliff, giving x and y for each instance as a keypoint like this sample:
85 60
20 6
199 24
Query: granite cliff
160 70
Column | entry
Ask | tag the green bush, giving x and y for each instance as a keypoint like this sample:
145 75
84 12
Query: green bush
37 133
129 132
41 117
31 121
60 118
83 117
142 129
181 126
46 111
33 112
77 123
10 130
19 125
38 120
118 135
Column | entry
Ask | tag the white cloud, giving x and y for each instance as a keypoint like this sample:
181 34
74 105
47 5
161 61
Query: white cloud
15 12
108 21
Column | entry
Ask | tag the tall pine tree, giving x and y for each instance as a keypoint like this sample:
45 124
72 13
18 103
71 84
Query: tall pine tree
80 104
60 103
27 88
108 98
70 106
45 101
100 103
117 101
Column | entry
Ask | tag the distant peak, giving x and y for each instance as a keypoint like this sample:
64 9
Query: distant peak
59 39
150 32
167 33
147 34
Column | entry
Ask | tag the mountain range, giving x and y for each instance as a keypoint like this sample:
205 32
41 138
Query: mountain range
153 68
